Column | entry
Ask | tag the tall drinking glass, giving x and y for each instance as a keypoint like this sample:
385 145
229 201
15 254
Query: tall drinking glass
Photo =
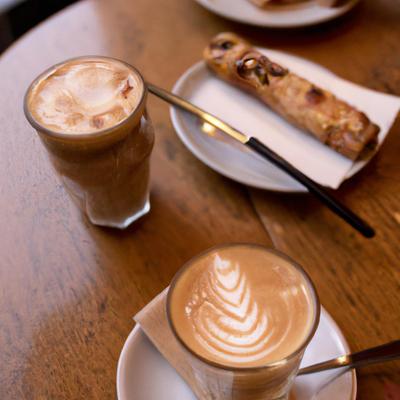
90 114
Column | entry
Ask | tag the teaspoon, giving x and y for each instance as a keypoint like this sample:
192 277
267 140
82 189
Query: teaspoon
261 149
385 352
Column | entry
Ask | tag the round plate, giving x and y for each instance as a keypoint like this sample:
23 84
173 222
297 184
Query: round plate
144 374
247 113
276 16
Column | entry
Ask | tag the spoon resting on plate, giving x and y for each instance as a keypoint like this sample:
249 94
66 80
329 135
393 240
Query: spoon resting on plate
321 193
385 352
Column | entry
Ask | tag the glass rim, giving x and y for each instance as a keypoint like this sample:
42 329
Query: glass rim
304 344
81 136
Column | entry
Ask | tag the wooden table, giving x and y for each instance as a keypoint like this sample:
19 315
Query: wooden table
68 290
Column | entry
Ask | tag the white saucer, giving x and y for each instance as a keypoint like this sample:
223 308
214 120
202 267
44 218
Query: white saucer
248 114
284 16
143 373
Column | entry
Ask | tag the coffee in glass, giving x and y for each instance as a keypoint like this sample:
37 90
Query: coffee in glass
244 315
90 114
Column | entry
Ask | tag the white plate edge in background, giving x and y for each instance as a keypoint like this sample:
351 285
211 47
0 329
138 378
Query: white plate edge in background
271 21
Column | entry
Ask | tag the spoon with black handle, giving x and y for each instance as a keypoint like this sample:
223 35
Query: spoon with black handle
322 194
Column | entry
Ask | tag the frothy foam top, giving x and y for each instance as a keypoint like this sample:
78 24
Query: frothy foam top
85 95
242 306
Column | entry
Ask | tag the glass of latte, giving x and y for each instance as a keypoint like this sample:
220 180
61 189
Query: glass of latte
243 315
90 114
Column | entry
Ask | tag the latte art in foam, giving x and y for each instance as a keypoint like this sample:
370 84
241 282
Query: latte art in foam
242 307
227 318
84 96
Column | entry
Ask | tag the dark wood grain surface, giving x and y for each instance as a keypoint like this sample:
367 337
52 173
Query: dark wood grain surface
68 290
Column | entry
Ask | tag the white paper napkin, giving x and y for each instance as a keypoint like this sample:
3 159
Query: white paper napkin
306 153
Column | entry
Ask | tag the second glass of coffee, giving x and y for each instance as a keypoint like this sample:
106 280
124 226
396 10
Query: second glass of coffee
90 114
244 315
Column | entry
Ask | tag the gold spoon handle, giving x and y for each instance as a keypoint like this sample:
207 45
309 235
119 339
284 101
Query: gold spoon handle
204 115
386 352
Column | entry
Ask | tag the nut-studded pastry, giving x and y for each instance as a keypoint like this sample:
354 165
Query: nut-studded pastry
311 108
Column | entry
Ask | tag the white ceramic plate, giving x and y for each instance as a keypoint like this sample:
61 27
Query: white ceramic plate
243 111
283 16
144 374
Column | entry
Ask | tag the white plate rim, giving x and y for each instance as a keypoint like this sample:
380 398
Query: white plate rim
271 24
181 132
122 361
347 349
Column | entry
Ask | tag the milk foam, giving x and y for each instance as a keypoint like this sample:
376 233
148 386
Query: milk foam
222 312
85 95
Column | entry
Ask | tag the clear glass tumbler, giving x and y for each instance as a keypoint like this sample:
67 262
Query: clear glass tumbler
267 382
106 172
